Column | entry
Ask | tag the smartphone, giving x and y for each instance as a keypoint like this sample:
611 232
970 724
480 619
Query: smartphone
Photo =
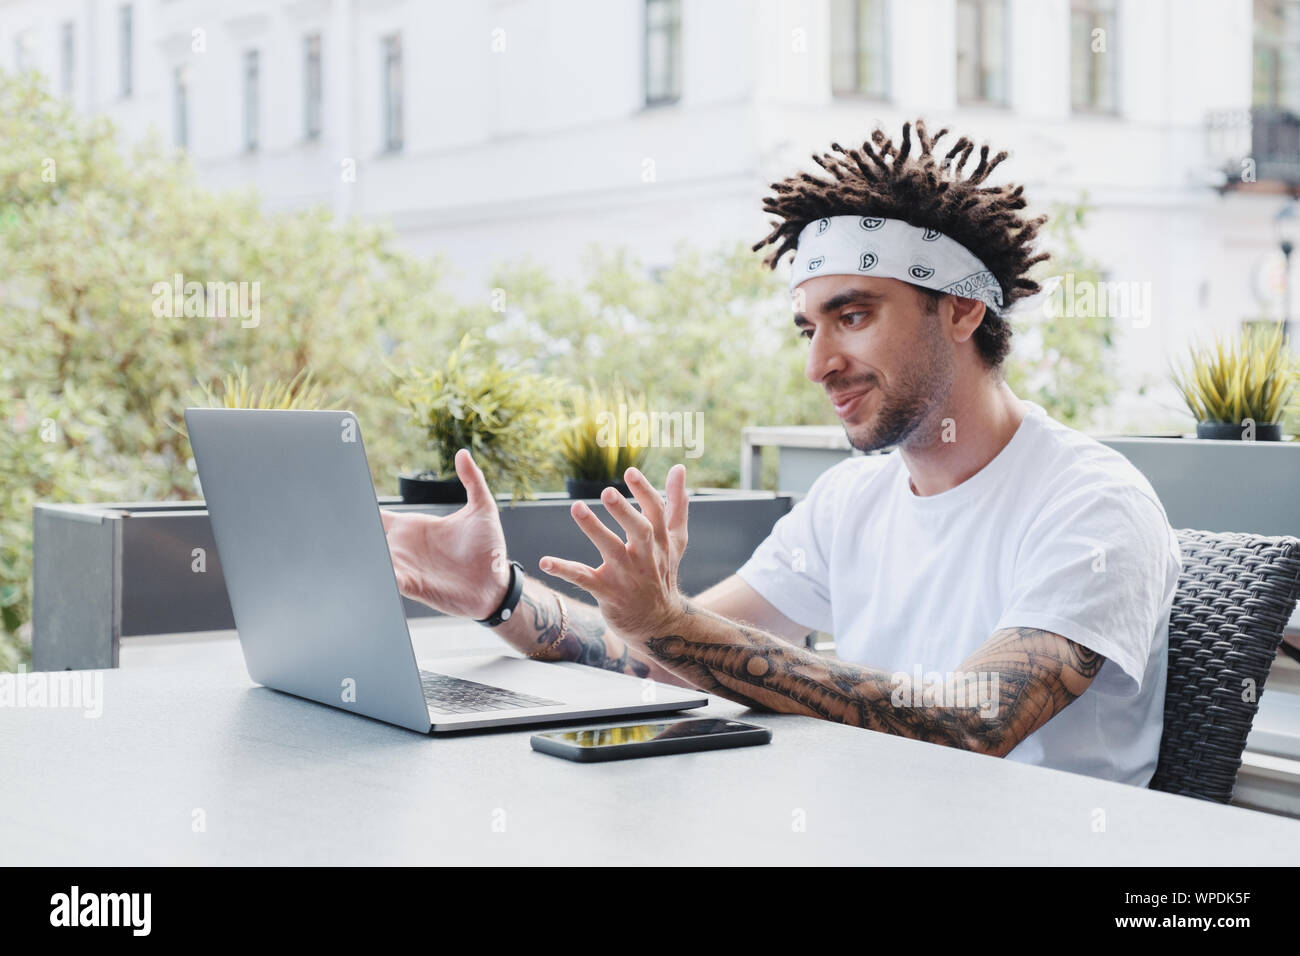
649 740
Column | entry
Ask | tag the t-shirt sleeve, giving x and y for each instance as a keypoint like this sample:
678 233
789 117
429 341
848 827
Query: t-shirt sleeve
1094 567
790 568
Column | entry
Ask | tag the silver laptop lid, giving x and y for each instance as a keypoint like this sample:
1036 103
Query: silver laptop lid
301 544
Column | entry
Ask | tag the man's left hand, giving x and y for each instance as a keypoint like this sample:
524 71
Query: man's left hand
636 585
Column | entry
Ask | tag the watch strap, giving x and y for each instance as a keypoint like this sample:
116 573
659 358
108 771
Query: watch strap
514 591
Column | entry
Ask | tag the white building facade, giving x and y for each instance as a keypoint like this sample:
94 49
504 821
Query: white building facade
504 129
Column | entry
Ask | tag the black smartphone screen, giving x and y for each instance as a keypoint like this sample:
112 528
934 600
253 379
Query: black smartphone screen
640 733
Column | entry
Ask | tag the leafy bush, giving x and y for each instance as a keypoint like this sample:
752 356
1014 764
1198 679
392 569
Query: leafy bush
506 417
96 374
708 338
1063 362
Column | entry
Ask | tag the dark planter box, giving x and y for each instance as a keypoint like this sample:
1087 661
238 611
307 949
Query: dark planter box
103 572
589 488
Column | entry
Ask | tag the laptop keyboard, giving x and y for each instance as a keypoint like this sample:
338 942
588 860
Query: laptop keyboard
453 695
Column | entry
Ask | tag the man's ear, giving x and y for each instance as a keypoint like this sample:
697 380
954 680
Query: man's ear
965 317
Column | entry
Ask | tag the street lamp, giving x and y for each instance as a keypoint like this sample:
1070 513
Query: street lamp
1287 226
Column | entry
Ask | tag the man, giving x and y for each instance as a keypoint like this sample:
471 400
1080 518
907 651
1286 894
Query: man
1000 583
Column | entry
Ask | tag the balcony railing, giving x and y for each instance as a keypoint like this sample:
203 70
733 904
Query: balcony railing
1257 145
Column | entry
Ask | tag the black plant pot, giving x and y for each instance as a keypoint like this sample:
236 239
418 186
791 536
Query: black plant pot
428 489
1231 431
590 488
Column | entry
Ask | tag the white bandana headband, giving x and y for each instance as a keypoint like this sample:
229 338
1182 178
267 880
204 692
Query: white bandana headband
892 249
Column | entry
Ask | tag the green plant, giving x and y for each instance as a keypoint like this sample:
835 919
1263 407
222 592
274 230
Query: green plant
1230 380
597 443
235 392
97 370
708 335
505 416
1062 359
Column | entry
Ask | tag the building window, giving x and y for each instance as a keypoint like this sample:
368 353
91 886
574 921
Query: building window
181 106
1092 56
981 57
24 51
67 57
859 48
663 51
252 119
1277 55
391 57
124 49
311 86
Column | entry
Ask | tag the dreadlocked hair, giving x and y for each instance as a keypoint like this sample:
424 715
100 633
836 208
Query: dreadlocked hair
882 180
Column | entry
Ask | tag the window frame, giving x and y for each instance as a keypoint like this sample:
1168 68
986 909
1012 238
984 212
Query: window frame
982 97
1103 14
1273 47
671 28
313 86
125 51
68 58
181 106
858 90
251 88
392 93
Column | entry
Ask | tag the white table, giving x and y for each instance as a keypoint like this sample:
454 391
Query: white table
186 736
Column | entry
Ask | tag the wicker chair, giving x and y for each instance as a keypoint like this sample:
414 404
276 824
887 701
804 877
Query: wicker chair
1235 594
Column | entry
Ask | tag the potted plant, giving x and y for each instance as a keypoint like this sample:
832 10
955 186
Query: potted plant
234 391
597 447
1239 390
506 417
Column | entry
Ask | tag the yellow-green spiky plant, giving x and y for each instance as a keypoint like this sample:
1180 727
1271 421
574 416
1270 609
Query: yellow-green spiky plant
597 445
235 392
1231 380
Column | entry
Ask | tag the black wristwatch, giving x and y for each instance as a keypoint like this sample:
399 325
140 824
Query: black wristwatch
511 600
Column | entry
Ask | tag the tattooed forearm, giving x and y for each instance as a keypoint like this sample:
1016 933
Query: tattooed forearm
587 636
673 653
586 639
1023 677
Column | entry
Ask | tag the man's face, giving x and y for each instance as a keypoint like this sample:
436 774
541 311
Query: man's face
884 362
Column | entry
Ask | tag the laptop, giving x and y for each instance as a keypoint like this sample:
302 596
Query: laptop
315 600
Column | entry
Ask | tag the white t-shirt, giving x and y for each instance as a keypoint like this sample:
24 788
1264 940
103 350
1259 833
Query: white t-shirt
1057 532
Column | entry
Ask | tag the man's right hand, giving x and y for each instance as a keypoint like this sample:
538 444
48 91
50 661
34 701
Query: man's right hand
456 564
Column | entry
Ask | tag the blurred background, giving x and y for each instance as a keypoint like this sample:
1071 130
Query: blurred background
193 191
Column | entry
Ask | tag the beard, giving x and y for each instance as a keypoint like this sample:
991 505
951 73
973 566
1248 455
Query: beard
904 412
